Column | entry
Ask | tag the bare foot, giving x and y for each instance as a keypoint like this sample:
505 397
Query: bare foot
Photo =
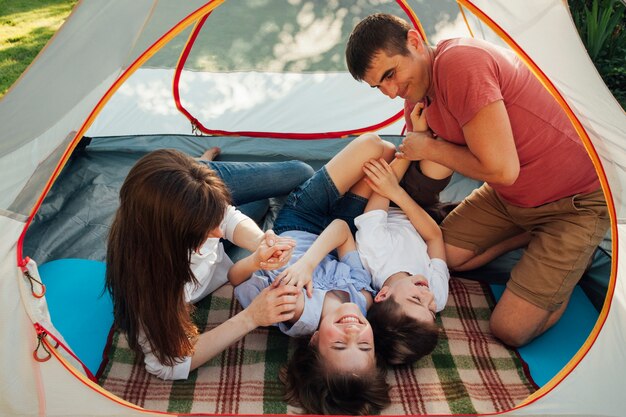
210 154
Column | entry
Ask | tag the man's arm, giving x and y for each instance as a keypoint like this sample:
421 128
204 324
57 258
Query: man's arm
490 154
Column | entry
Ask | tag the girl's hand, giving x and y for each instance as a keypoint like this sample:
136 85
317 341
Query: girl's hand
273 305
274 251
299 274
418 118
381 178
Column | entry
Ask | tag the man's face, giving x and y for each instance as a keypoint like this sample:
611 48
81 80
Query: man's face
407 77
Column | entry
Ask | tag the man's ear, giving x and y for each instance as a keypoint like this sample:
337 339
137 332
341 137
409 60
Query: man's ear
415 40
382 295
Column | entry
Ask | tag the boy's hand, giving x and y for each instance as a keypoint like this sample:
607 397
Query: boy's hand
273 305
381 178
418 118
299 274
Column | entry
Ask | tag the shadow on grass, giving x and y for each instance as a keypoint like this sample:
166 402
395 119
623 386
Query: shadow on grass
10 9
19 49
16 58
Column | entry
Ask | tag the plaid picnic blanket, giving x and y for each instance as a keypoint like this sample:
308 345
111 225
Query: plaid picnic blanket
469 372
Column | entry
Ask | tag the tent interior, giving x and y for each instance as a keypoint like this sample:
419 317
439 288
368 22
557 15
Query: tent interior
277 79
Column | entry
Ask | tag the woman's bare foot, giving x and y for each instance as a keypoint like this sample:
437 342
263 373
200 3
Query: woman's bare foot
210 154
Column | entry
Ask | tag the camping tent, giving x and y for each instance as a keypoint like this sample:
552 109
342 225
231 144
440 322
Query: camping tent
71 88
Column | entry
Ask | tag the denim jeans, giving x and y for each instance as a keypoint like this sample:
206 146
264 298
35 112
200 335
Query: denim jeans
252 183
315 204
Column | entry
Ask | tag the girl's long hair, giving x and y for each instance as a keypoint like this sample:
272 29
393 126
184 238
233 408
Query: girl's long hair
168 205
309 384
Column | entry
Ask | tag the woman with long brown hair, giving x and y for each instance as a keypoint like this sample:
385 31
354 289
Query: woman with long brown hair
164 253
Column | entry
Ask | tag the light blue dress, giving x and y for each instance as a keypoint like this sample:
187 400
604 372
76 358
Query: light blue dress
346 274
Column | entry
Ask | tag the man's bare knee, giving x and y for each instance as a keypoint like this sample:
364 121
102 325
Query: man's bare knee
516 321
507 335
456 256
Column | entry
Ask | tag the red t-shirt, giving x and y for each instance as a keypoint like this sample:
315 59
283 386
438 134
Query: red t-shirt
469 74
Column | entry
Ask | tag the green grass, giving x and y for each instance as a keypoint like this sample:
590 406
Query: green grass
25 28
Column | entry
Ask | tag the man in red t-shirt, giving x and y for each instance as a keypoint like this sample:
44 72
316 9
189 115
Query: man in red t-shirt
494 121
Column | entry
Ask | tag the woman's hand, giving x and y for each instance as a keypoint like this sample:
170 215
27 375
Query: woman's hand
299 274
274 251
273 305
381 178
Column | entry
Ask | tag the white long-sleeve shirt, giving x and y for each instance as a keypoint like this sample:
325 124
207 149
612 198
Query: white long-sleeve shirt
388 243
210 266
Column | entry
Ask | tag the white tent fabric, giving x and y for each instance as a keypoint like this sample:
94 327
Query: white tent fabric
56 96
242 101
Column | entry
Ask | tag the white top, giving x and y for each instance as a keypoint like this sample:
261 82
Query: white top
388 243
210 266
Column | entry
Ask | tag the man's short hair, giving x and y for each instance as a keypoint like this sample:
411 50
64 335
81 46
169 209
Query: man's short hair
378 32
398 338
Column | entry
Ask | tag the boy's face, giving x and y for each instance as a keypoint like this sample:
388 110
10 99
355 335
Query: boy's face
413 295
345 340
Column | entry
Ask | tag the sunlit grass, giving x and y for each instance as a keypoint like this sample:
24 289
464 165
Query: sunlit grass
25 28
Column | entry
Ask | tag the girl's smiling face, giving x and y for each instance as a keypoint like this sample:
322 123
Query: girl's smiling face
345 340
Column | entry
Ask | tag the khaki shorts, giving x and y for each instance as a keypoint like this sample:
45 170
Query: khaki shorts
565 233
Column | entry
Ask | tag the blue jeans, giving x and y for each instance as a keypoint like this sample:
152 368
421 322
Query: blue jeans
315 204
252 183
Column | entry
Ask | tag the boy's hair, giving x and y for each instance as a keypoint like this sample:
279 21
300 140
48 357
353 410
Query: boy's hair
318 390
398 338
378 32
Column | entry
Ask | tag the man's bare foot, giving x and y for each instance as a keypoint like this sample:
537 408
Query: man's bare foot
210 154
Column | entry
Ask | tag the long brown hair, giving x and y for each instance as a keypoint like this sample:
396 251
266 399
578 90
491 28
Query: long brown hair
318 390
168 205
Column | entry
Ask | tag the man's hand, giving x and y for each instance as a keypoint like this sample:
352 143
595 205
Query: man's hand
273 305
381 178
414 146
299 274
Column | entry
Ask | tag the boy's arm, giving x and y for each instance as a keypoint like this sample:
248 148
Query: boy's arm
300 273
424 224
379 202
383 180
